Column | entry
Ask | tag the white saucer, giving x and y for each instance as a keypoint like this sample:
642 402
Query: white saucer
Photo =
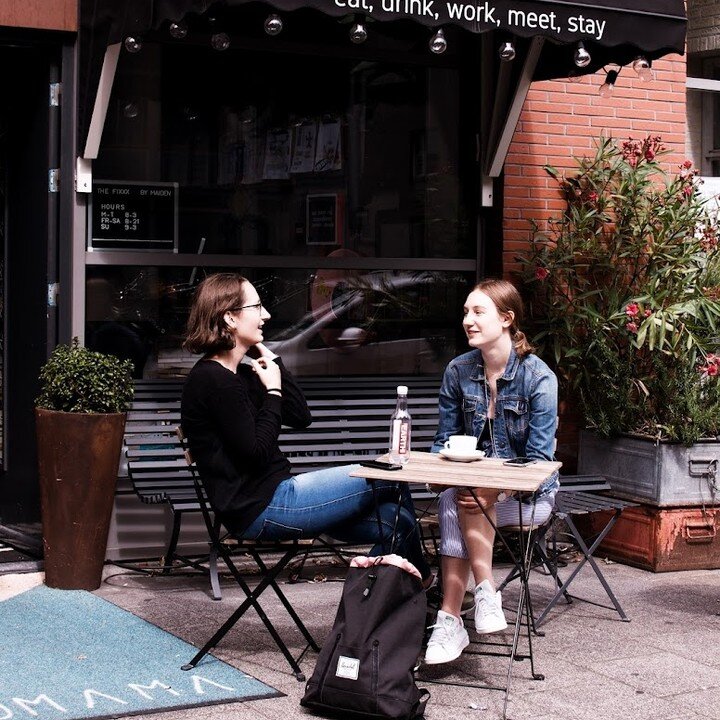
461 456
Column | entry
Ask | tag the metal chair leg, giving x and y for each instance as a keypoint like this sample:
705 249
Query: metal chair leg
172 544
214 575
251 600
587 557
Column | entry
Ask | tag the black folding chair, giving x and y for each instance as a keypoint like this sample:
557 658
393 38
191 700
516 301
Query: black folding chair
579 502
578 495
269 573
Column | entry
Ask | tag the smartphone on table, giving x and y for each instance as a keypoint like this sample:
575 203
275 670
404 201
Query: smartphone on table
380 465
520 461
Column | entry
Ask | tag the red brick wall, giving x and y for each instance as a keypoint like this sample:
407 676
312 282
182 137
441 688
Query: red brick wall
560 121
40 14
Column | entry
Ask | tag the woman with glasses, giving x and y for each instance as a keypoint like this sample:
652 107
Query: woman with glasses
234 402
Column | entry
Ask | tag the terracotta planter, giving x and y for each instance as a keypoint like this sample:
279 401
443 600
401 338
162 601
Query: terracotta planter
78 456
677 524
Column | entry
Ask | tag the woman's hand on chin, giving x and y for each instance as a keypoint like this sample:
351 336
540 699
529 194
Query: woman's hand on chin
268 373
263 352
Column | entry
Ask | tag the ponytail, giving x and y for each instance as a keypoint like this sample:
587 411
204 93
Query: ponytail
521 345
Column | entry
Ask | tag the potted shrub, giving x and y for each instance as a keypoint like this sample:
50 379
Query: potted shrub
80 419
624 290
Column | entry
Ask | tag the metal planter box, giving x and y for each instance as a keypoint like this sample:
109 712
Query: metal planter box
659 474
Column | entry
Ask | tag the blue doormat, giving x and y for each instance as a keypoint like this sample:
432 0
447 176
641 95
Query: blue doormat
67 654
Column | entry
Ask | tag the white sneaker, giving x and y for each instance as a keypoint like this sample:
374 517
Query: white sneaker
489 615
449 638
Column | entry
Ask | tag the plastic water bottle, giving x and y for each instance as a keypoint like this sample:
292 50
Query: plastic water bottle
400 429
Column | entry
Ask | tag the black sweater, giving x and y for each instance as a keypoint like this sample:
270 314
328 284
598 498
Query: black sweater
232 426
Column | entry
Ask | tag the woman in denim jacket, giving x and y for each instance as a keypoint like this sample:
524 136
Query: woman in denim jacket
507 398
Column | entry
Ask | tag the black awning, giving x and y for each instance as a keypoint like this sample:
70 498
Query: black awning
608 23
655 28
612 31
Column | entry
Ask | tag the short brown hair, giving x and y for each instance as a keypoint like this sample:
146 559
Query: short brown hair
507 299
207 331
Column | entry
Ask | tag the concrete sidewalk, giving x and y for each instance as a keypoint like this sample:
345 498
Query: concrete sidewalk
663 665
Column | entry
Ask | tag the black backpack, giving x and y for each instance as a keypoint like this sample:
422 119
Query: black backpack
365 667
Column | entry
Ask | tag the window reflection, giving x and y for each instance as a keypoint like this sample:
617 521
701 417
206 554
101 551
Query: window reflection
253 152
338 322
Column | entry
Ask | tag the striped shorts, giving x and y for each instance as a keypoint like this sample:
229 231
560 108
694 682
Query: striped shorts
451 539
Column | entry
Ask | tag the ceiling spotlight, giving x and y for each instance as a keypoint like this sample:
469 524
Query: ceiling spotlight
358 33
438 43
607 87
133 44
273 24
220 41
643 67
582 56
507 52
178 30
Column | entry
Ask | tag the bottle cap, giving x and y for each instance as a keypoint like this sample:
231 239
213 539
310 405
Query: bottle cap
402 389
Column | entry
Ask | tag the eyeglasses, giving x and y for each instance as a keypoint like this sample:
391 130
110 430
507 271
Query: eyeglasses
257 306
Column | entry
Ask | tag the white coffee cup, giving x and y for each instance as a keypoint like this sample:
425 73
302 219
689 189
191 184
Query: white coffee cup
461 444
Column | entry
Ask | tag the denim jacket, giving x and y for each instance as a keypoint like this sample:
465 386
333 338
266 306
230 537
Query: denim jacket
525 408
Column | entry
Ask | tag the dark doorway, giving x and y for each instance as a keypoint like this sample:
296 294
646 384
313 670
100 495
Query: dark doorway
28 222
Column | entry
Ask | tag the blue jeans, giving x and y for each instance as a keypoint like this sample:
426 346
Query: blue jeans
331 502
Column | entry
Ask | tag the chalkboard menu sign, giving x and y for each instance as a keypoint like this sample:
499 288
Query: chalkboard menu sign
133 216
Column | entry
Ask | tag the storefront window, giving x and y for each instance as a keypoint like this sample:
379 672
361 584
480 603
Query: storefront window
292 159
295 155
339 322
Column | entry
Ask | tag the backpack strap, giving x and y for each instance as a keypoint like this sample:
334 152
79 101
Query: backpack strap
418 709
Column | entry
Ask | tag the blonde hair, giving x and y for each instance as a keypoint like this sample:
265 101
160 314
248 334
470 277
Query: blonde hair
207 331
507 300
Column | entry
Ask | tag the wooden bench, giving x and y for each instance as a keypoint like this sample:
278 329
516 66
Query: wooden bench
350 423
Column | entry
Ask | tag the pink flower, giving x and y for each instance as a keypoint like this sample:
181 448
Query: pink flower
688 190
648 312
649 154
592 196
711 370
709 240
632 310
687 164
631 327
541 273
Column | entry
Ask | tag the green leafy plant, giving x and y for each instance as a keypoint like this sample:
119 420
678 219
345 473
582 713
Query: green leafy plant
624 292
74 379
